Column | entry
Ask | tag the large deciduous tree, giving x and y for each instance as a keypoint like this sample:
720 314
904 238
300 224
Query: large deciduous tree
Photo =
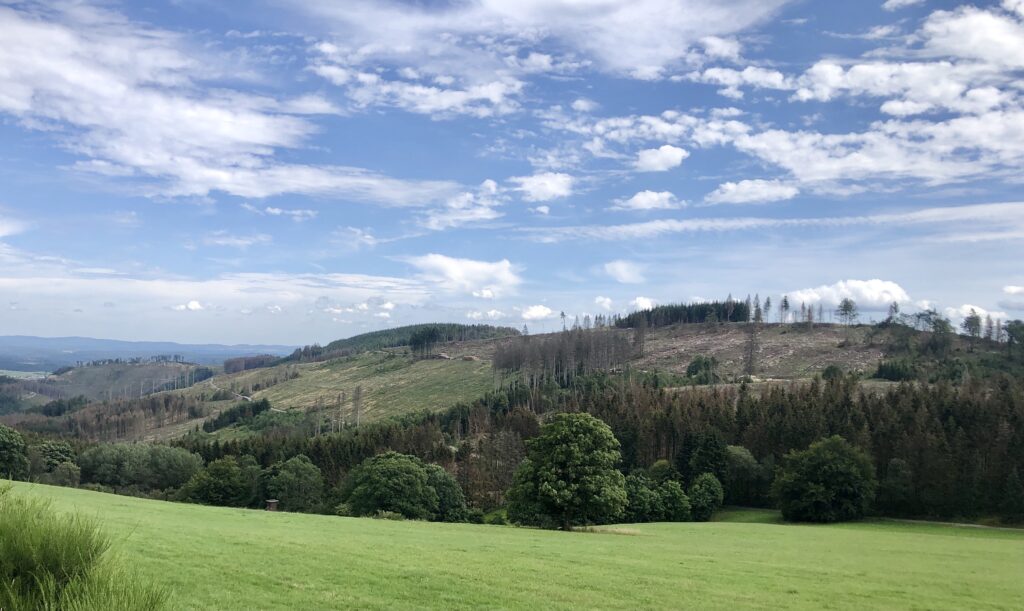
13 457
831 481
569 476
391 482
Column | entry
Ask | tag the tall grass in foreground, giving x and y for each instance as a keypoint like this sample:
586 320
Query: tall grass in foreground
50 562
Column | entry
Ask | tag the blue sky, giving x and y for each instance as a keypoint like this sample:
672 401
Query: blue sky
293 172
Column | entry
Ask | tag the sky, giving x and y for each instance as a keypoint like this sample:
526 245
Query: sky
291 172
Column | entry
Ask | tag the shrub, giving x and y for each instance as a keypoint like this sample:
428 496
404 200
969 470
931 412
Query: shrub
13 458
54 562
706 496
831 481
569 476
391 482
65 474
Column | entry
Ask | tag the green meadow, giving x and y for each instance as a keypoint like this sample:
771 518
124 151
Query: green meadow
221 558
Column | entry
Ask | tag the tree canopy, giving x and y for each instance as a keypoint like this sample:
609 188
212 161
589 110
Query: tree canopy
569 476
831 481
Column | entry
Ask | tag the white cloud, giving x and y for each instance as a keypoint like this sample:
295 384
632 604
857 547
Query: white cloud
895 5
959 313
537 312
488 315
642 303
731 80
1013 290
542 210
466 208
584 105
485 279
751 192
472 40
191 306
660 159
721 48
950 218
133 102
626 272
605 303
872 294
649 200
545 186
223 238
9 227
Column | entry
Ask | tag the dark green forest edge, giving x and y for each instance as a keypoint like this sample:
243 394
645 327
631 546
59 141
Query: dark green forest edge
573 435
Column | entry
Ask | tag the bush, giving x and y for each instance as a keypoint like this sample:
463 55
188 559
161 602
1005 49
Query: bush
831 481
569 476
13 458
706 496
65 474
54 562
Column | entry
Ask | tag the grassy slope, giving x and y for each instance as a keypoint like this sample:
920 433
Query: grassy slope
219 558
392 385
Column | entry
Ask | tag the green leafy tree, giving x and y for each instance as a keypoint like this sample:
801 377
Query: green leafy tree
13 455
451 502
706 497
47 455
569 476
663 471
391 482
643 503
831 481
229 481
971 326
297 484
847 311
674 501
745 480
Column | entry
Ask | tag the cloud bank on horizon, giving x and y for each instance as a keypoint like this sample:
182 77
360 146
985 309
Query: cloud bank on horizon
309 170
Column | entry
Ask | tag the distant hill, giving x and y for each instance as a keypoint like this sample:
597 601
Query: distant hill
28 353
438 333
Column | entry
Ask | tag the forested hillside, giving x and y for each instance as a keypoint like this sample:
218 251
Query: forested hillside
417 337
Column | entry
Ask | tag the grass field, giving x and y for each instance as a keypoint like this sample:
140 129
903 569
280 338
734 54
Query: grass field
219 558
